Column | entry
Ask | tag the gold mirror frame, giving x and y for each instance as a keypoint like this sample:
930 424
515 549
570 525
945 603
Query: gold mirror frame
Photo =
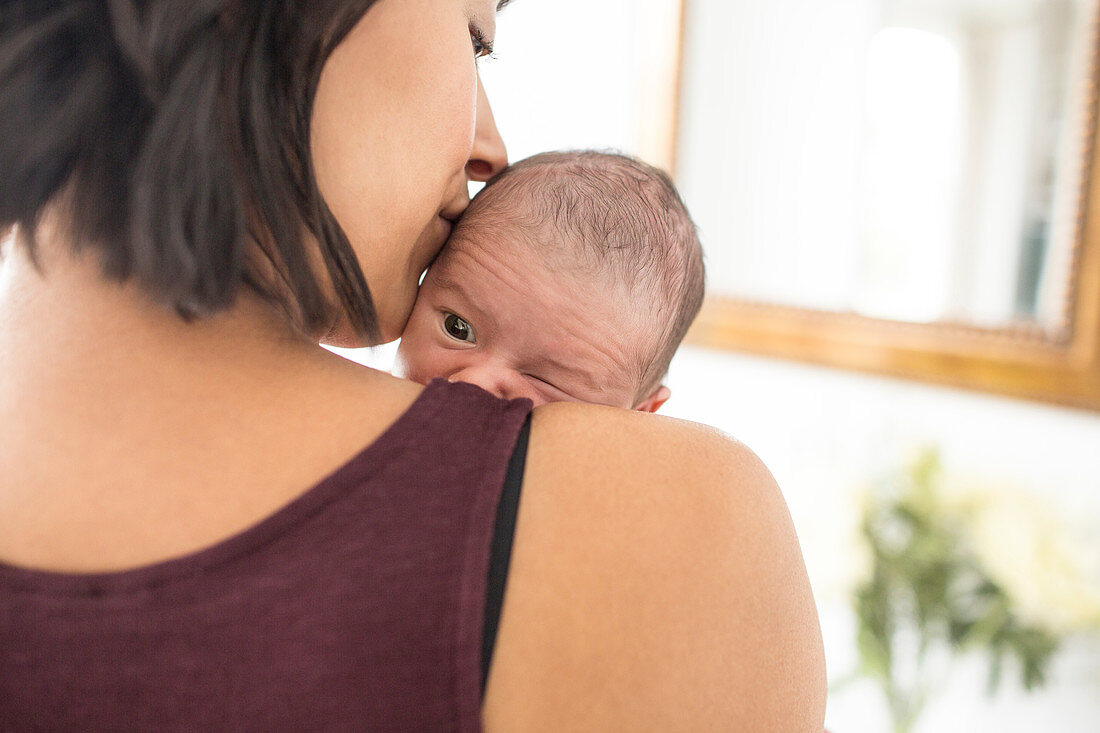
1025 361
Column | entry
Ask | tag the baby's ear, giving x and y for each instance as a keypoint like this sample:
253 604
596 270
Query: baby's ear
655 400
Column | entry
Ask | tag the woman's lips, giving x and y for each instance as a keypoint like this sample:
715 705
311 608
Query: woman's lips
440 232
453 212
448 227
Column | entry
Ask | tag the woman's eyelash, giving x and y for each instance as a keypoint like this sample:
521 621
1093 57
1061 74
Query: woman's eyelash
482 47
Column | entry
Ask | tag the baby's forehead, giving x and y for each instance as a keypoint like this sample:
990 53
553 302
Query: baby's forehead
536 246
546 265
560 293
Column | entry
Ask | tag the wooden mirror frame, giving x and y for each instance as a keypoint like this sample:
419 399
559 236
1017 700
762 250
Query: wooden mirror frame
1025 361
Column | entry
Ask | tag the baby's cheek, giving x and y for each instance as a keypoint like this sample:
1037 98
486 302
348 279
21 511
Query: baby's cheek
409 362
417 358
401 363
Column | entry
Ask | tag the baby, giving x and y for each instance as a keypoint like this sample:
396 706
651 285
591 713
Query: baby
572 276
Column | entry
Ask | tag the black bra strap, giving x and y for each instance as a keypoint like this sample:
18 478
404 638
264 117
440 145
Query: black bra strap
501 552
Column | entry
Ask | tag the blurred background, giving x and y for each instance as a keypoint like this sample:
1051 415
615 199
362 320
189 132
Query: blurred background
904 310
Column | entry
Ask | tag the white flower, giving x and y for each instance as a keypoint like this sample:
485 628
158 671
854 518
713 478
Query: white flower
1047 564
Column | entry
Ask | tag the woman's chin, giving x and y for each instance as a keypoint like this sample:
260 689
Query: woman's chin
392 310
343 336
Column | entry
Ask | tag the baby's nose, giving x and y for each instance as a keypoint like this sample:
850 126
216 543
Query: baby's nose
500 381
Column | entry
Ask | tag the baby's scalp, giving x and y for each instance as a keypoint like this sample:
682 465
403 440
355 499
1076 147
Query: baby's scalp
604 219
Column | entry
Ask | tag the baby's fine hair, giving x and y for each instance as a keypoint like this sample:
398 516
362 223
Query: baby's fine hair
617 216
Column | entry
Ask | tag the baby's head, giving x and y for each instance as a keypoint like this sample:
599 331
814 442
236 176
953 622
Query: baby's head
571 277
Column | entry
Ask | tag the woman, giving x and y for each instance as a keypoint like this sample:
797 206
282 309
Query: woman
192 533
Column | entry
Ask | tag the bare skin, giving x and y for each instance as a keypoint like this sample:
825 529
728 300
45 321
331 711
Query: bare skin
656 585
656 581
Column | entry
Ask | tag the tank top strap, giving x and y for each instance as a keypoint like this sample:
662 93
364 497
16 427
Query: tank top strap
500 554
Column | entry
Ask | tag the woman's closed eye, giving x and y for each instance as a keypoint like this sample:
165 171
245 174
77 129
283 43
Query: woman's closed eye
458 328
482 47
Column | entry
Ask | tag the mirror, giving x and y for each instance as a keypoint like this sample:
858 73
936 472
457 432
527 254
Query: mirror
897 185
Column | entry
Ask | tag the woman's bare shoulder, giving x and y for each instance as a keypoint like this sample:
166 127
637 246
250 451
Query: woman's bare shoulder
656 584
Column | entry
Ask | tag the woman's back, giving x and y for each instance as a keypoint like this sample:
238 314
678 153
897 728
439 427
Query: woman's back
128 436
359 603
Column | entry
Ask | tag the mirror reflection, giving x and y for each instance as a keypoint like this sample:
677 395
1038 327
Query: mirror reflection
914 160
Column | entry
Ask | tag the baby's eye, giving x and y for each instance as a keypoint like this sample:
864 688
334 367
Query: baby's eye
546 383
458 328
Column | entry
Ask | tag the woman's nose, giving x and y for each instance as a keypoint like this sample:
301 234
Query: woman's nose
489 156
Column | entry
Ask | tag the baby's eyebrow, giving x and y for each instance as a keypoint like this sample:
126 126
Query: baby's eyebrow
443 282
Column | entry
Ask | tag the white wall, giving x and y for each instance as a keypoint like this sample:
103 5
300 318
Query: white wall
770 128
562 76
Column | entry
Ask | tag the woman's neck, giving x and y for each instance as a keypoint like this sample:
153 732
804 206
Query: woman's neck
64 318
128 435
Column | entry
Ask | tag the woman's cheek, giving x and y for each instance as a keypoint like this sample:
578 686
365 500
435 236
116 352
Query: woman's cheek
457 118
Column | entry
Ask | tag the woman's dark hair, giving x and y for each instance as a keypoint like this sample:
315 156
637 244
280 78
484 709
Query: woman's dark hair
176 133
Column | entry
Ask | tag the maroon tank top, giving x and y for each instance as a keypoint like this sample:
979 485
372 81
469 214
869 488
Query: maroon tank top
358 606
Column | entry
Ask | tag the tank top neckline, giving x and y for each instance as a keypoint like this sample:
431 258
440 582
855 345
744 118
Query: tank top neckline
386 447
